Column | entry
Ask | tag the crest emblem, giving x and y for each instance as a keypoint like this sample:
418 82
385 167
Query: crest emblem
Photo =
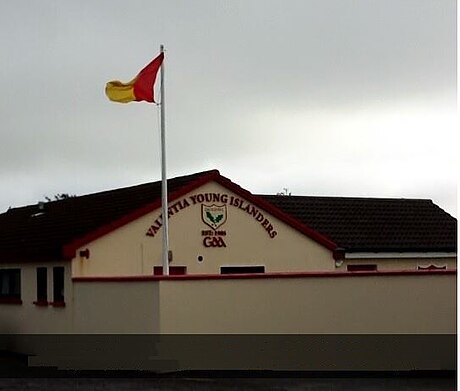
214 215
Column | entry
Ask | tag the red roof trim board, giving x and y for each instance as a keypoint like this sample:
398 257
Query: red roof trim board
278 213
69 250
325 274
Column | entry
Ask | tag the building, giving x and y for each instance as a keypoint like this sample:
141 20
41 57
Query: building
241 264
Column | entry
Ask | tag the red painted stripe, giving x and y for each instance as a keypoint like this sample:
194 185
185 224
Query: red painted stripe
265 275
117 279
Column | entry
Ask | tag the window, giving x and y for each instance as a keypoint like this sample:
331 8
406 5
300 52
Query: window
362 268
173 270
10 285
58 285
42 285
242 269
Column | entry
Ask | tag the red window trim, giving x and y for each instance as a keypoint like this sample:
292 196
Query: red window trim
173 270
41 303
10 300
57 303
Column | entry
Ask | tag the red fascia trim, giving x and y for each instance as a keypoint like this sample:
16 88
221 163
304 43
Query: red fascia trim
69 250
278 213
325 274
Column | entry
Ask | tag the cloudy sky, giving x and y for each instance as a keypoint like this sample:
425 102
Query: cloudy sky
322 97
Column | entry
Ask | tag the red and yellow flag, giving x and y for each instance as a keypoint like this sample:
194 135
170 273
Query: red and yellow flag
138 89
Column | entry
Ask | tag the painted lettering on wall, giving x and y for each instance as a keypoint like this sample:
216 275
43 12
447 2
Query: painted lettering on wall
215 199
214 241
172 210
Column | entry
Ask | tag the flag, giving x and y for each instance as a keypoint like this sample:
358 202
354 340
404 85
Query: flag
138 89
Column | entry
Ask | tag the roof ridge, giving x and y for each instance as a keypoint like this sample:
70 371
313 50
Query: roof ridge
346 197
197 174
103 192
349 222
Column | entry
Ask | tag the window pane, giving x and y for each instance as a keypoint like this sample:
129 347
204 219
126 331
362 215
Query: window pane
10 283
4 283
16 283
42 286
242 269
173 270
362 268
58 284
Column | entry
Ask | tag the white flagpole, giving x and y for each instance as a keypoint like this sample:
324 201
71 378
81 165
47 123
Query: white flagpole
164 186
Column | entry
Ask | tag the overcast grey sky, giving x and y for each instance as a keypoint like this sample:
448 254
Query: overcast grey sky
323 97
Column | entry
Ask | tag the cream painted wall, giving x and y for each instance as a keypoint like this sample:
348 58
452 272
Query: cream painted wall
29 318
128 251
421 304
116 307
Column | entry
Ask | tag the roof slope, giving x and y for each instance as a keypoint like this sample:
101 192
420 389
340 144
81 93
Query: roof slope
29 233
374 224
